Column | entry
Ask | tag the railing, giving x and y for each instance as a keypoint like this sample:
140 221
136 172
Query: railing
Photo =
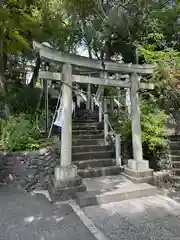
103 114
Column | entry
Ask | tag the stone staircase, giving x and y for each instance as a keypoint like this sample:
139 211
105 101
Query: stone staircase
89 152
175 158
99 180
100 176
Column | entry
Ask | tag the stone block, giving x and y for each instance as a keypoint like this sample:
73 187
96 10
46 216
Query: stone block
63 194
65 184
89 198
71 182
65 173
138 165
163 179
138 172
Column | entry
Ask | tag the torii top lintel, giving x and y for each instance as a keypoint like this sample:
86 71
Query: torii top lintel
51 54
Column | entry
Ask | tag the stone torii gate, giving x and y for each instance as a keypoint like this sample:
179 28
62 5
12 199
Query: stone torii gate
66 171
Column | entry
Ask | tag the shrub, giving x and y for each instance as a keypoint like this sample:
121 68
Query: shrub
20 133
23 100
152 125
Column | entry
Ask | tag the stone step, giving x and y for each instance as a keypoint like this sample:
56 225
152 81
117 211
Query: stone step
85 124
112 191
83 121
176 185
90 148
175 145
85 127
174 138
87 117
176 179
175 158
93 163
86 132
175 152
99 171
176 164
87 114
82 141
91 155
88 136
176 171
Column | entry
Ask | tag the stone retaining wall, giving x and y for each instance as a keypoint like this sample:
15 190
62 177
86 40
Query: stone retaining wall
163 179
30 169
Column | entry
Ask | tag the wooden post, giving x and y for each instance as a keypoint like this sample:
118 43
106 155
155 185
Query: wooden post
105 121
66 134
118 149
135 115
88 104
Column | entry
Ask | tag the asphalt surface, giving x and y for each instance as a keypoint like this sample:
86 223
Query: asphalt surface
25 217
150 218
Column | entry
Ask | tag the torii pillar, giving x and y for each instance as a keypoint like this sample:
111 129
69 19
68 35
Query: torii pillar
138 169
66 181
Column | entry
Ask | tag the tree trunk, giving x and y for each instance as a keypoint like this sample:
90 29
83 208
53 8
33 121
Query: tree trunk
35 72
2 79
89 51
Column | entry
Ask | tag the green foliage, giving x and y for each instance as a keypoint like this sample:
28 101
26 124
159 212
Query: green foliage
152 124
24 100
20 133
167 64
17 23
166 75
118 27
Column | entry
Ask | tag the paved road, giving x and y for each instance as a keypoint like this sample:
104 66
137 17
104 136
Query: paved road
152 218
24 217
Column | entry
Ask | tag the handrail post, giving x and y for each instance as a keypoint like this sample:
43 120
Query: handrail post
92 104
100 110
88 103
118 149
105 121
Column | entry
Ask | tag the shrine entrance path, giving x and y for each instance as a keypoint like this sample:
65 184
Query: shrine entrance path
149 218
25 217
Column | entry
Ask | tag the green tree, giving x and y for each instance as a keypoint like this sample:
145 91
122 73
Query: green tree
16 23
116 27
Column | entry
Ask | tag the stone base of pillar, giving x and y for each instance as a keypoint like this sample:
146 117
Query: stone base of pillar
139 171
65 184
138 165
